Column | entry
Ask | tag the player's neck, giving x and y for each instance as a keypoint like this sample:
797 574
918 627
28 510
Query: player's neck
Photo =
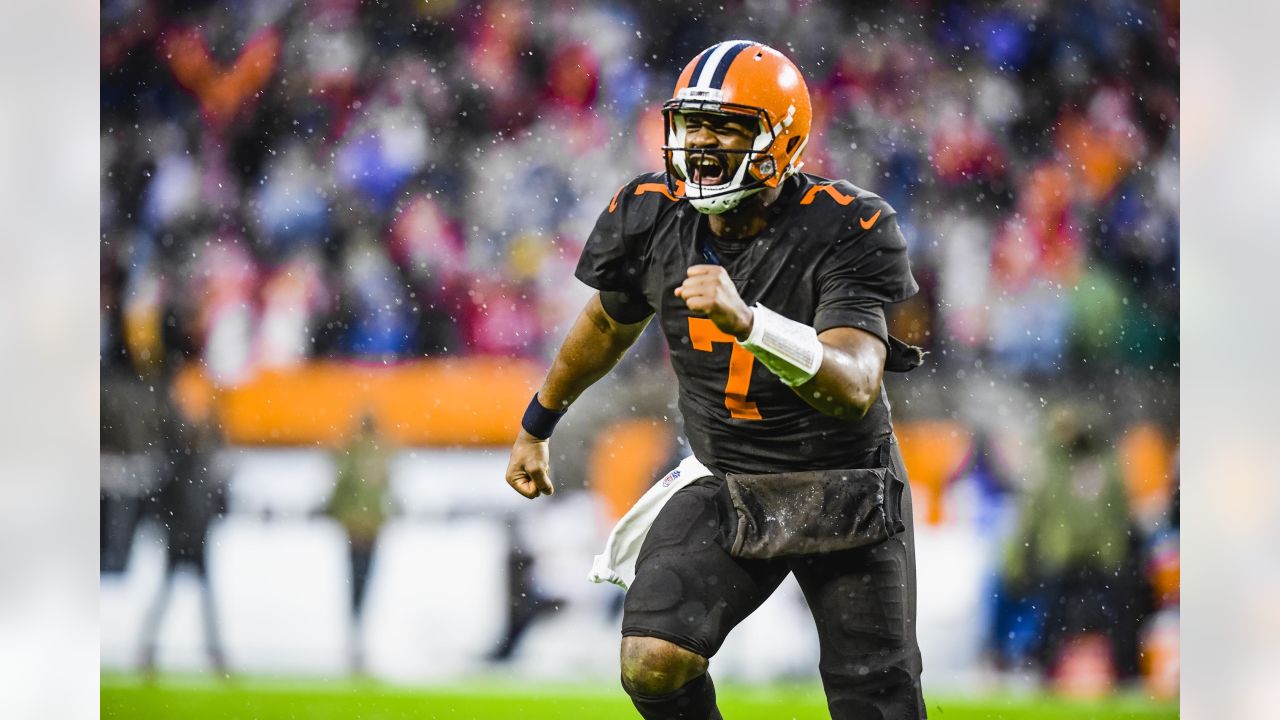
748 219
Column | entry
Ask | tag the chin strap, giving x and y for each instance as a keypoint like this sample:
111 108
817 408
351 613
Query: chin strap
791 350
721 203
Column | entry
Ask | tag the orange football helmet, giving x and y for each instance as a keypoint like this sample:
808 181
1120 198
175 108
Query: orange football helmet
740 77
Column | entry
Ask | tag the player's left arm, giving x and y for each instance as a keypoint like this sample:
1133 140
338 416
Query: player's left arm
849 361
847 383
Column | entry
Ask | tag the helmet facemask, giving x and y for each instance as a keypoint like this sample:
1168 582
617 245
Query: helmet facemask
756 168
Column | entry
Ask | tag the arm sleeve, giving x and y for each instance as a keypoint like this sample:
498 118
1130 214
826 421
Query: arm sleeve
862 274
625 308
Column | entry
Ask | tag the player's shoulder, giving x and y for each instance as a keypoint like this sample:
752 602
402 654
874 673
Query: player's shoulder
645 193
838 209
635 208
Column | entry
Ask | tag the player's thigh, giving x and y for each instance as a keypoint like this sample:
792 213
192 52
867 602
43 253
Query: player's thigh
688 590
860 598
865 599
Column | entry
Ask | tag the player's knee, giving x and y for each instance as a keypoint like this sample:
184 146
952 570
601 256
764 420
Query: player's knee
651 666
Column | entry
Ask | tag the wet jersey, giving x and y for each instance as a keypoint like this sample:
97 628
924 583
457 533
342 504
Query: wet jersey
831 256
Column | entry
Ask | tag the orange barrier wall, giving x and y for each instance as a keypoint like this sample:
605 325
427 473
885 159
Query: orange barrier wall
470 401
934 451
1147 460
628 457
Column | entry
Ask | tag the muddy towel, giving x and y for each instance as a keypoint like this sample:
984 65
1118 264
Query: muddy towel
617 564
804 513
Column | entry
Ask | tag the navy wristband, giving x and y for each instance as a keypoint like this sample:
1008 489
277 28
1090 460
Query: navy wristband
538 421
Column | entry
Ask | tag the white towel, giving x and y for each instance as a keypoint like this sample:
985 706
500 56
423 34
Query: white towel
617 564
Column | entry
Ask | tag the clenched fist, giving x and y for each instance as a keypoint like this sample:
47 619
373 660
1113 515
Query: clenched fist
527 469
708 291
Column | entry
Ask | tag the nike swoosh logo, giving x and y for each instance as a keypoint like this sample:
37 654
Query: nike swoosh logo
868 222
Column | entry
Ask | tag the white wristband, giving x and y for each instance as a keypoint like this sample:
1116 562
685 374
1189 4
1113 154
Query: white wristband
791 350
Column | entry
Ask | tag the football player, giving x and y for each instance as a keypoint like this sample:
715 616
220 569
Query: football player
769 285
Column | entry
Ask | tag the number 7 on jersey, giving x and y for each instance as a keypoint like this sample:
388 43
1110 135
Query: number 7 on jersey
703 333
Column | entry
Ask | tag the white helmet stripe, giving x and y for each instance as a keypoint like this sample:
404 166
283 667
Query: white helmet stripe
709 69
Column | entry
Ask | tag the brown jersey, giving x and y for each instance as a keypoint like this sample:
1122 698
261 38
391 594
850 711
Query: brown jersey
831 256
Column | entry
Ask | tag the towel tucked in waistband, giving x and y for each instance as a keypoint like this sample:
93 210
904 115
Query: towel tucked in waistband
617 564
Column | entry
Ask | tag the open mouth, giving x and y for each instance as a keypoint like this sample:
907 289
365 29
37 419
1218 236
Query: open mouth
708 168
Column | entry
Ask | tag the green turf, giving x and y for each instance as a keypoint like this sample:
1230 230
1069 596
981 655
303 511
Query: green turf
128 698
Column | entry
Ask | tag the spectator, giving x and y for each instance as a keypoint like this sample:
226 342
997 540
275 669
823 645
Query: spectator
1072 551
191 496
361 505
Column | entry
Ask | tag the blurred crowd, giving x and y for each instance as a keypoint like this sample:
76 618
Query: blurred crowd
284 180
387 180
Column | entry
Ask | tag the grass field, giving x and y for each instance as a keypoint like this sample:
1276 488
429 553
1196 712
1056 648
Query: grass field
129 698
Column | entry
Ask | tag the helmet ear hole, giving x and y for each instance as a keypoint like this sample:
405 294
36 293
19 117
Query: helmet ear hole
764 168
791 144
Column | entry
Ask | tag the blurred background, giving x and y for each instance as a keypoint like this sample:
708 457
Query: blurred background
337 241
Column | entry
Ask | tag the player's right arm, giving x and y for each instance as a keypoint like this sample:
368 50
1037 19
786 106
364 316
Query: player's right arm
595 343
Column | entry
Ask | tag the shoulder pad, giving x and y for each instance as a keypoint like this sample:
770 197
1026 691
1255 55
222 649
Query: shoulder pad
844 208
646 189
635 206
868 212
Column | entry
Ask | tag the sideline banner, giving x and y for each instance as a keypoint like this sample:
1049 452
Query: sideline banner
467 401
